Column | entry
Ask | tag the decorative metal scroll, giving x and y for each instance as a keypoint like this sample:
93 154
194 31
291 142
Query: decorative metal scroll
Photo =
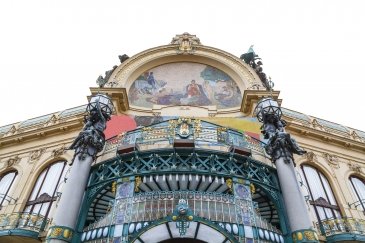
169 161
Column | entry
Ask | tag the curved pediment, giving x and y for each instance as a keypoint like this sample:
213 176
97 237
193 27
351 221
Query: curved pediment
184 73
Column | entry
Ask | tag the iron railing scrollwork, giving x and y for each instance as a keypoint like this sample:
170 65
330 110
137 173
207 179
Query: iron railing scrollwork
343 225
23 220
169 161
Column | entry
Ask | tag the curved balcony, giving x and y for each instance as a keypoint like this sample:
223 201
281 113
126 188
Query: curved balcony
183 159
343 230
143 209
21 227
201 134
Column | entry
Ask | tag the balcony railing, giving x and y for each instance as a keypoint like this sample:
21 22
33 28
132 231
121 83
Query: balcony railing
151 206
22 220
340 226
204 134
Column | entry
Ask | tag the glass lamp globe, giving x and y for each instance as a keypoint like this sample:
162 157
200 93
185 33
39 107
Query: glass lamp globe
103 101
267 106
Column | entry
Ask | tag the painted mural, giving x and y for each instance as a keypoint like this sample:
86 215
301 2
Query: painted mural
185 83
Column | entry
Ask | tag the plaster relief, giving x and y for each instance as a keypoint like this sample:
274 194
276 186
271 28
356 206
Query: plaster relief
58 151
354 167
12 161
316 125
332 160
311 157
36 154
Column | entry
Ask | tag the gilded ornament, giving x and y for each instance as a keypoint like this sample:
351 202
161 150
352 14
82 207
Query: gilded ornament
252 188
309 235
190 217
56 232
174 218
67 233
114 186
229 184
299 236
137 183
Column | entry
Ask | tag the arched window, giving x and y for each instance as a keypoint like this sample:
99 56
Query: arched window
358 187
6 181
322 199
45 189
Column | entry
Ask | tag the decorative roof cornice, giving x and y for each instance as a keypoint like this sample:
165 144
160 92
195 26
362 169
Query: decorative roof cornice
56 124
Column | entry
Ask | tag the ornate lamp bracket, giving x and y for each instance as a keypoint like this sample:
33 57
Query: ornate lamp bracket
279 142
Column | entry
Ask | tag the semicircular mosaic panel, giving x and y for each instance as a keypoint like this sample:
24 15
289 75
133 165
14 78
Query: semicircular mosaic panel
184 83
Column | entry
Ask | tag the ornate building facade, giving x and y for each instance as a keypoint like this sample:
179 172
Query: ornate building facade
186 158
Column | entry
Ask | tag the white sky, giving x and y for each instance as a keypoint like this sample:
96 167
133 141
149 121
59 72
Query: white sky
51 52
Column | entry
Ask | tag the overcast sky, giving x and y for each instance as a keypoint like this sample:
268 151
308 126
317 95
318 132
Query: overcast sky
51 52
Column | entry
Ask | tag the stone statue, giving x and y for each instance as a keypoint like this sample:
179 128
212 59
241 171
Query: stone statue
101 81
252 59
123 58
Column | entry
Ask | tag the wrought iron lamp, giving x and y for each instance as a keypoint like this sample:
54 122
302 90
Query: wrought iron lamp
91 139
87 145
281 147
100 102
279 144
267 107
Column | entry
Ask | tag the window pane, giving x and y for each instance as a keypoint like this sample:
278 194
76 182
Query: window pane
44 208
37 186
314 182
322 193
329 213
321 213
358 187
337 213
36 208
328 189
51 180
46 184
5 183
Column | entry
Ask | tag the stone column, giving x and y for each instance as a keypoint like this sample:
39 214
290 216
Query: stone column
89 142
281 147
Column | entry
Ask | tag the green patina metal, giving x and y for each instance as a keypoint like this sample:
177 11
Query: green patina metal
185 161
344 237
202 162
230 237
192 161
19 232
